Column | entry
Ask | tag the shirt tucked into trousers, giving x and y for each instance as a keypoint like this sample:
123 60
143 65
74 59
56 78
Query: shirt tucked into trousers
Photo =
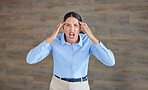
58 84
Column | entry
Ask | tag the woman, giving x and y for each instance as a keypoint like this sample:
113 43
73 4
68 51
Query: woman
71 51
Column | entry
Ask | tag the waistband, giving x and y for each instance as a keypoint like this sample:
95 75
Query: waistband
73 79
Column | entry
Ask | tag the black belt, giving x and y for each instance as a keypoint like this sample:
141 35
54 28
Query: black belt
73 80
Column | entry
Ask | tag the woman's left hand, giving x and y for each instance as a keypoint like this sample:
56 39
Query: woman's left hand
86 29
89 32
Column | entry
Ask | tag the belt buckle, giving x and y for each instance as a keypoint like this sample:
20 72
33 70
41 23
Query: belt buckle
81 79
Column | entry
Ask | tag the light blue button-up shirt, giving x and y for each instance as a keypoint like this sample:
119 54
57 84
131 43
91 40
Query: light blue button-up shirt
71 60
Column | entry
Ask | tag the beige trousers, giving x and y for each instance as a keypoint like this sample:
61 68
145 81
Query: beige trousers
58 84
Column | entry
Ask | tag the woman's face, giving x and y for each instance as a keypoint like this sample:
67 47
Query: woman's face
72 29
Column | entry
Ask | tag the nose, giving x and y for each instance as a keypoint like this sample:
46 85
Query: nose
72 28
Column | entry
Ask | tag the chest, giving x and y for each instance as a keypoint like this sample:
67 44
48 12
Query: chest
73 50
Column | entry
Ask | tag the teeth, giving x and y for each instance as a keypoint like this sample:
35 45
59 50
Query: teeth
71 36
71 33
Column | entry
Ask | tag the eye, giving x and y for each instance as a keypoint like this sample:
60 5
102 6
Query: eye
76 25
67 25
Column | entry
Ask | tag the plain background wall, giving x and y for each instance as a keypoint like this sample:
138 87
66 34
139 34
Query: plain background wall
121 25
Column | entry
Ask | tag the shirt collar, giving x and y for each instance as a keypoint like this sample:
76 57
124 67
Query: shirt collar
64 42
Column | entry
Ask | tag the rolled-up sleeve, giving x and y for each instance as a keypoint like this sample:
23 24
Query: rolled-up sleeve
105 55
38 53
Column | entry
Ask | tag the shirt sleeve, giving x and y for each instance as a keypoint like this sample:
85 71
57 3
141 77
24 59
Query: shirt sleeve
105 55
38 53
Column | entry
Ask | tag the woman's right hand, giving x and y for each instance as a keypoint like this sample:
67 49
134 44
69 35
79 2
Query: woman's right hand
55 33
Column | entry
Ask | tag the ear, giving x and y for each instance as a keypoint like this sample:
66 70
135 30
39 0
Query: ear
63 27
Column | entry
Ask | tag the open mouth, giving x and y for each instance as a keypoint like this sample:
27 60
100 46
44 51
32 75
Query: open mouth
71 35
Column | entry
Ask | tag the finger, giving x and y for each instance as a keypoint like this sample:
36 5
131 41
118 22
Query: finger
80 23
57 25
64 23
61 24
86 25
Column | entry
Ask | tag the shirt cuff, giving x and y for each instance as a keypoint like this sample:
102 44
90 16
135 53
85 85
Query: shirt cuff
46 44
101 45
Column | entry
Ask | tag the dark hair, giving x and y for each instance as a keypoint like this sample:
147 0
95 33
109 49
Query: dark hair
74 14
